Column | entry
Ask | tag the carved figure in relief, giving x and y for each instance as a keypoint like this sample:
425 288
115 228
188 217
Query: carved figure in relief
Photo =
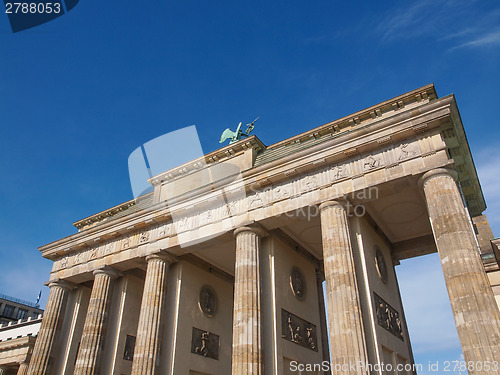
404 151
206 217
280 192
255 200
108 248
290 328
64 262
93 254
340 171
182 224
310 338
125 242
164 231
371 162
311 182
78 258
208 301
144 237
203 349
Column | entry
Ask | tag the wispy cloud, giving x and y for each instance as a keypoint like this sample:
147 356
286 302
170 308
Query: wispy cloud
443 21
486 40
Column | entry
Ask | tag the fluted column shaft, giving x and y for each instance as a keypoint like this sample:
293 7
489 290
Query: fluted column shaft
476 314
23 368
92 344
247 322
43 353
148 343
347 338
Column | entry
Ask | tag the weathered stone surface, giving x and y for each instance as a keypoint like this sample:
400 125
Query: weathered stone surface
23 369
347 337
92 344
149 332
42 358
476 314
247 322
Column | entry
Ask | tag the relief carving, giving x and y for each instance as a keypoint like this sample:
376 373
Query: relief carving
205 343
380 265
125 242
93 253
310 182
255 200
298 283
128 352
371 162
144 237
298 331
208 301
109 247
164 231
405 151
388 317
281 192
340 171
79 258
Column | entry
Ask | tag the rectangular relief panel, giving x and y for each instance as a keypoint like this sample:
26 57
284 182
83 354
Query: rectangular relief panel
298 331
388 317
205 343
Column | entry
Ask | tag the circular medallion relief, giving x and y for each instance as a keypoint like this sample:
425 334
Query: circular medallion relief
208 301
380 265
298 283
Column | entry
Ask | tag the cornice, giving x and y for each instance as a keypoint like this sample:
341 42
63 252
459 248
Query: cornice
392 106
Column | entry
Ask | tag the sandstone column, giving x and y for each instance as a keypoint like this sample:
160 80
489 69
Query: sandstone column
476 314
149 331
347 337
92 344
42 357
23 368
247 322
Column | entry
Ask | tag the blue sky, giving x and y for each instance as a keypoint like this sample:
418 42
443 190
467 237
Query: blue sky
80 93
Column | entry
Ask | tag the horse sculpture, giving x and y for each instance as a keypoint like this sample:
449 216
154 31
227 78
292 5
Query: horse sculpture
236 136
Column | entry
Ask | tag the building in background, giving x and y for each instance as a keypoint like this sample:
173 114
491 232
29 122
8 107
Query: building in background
21 322
244 237
13 309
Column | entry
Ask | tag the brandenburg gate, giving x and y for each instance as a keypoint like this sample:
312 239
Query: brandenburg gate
219 269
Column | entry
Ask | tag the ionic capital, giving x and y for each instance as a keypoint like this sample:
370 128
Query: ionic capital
438 172
109 271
